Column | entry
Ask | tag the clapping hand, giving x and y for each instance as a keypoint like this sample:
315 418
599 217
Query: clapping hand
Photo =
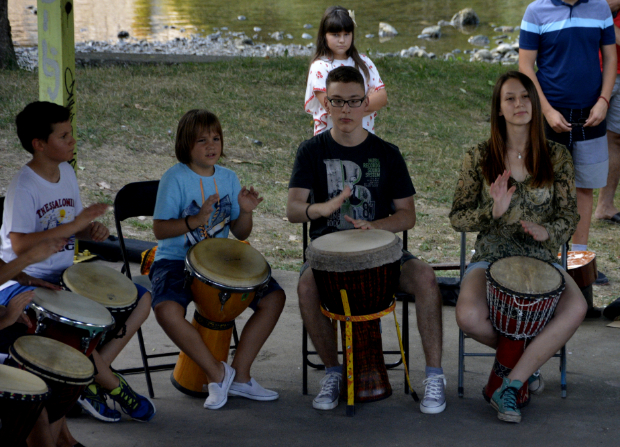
501 194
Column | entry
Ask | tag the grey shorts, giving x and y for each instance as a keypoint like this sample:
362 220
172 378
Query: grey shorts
613 114
591 160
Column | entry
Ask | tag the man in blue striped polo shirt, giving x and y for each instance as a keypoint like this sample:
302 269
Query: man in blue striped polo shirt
563 38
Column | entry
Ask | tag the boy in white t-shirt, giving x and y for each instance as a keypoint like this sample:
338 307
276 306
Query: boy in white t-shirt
43 202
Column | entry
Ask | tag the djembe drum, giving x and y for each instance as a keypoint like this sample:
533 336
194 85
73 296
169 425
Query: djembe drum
366 265
522 294
105 286
22 396
225 275
70 318
65 370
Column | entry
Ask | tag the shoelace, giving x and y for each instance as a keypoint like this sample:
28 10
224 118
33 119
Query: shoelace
509 395
128 396
329 382
433 386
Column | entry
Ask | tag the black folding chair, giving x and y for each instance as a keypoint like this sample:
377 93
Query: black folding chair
133 200
462 336
404 297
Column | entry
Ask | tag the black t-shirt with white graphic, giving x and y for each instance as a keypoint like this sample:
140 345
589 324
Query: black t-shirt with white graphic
374 170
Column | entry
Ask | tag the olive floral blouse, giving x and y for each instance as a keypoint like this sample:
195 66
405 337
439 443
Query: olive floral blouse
554 207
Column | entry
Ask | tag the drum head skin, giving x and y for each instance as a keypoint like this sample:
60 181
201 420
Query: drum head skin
72 306
228 262
52 358
353 250
16 381
102 284
524 275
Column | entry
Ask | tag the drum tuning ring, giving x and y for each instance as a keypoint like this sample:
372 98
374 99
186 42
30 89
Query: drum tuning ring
40 325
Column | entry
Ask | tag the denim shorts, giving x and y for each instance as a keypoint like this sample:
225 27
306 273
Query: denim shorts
168 284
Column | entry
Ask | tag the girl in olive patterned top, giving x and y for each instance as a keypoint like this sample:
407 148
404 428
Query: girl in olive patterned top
518 191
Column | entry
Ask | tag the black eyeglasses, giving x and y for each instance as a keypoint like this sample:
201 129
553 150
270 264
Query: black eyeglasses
353 103
580 122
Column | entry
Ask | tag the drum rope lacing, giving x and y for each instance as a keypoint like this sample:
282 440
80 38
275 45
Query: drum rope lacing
349 319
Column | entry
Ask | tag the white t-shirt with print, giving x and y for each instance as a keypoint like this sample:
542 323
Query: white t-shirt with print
32 205
316 83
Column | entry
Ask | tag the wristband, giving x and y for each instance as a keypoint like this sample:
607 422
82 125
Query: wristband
187 223
606 100
308 215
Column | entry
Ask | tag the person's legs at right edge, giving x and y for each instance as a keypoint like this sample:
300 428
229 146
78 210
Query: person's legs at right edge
417 278
321 333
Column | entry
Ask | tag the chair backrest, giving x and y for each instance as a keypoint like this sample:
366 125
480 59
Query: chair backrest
1 208
133 200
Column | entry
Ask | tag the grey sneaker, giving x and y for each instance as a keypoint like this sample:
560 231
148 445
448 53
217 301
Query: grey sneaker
252 391
434 395
535 383
327 399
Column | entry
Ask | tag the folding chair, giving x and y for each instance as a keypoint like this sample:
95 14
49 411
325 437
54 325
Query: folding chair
133 200
404 297
462 353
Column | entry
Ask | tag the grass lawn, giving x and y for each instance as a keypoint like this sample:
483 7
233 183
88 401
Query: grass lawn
127 117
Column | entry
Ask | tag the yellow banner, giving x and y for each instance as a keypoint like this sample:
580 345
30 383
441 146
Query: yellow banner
57 56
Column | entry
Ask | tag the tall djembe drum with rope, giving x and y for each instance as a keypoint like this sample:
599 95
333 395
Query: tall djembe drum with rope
522 294
357 274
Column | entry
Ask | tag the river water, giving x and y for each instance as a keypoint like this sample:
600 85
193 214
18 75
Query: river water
163 20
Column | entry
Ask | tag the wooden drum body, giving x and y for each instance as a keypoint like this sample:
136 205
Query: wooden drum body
105 286
225 275
65 370
70 318
522 294
366 264
22 396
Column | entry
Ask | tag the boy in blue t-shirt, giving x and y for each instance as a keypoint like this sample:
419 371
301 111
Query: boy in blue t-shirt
196 200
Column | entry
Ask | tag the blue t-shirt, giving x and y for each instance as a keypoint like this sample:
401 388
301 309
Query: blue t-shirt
180 195
567 39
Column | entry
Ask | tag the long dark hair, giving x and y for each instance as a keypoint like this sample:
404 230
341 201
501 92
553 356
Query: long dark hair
537 159
335 20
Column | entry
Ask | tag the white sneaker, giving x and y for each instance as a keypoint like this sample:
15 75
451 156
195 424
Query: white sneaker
327 399
252 391
218 395
434 395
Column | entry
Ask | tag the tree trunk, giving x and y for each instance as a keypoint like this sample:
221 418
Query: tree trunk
7 52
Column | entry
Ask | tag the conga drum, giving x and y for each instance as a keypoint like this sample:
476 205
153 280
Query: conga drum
522 294
224 276
22 396
69 318
65 370
365 264
105 286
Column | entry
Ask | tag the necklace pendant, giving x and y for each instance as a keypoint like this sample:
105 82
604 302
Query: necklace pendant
519 156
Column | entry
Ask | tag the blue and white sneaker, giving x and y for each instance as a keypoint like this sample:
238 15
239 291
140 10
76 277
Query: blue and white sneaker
94 401
140 408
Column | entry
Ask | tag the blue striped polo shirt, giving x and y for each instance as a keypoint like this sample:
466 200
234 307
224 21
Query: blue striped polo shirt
567 39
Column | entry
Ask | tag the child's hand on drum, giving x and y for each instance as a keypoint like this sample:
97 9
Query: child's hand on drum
27 280
248 199
89 214
359 223
538 232
501 194
15 309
